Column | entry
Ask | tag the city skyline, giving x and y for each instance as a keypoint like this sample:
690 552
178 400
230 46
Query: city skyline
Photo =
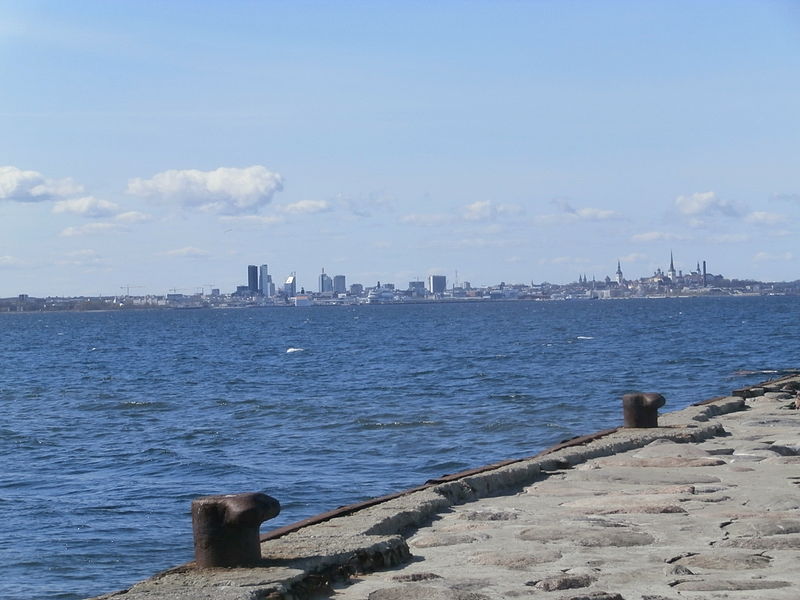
160 147
257 280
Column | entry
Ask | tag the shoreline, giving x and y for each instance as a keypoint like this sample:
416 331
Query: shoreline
322 554
482 300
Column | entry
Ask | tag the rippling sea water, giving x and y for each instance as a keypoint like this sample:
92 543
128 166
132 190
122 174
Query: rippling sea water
113 422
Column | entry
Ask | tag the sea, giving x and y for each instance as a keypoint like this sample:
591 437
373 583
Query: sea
112 422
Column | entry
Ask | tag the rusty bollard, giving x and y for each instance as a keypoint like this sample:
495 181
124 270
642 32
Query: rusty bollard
641 410
226 528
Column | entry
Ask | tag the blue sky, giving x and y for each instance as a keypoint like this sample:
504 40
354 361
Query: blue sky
167 145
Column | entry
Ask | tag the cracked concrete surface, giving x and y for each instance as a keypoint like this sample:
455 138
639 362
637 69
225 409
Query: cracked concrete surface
706 506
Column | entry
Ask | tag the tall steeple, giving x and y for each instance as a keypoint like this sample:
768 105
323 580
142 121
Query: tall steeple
619 273
671 271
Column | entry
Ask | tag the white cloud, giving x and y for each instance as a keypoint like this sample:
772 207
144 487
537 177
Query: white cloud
426 220
729 238
595 214
564 260
253 219
133 216
633 257
10 261
32 186
476 212
227 190
469 242
655 236
485 210
82 258
88 206
187 252
766 256
304 207
764 218
479 211
704 203
569 214
89 228
367 206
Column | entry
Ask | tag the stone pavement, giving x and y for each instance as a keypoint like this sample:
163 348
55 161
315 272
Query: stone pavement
706 506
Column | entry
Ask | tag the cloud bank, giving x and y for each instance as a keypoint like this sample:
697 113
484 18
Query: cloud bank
88 206
569 214
655 236
227 190
31 186
187 252
88 229
307 207
704 203
764 218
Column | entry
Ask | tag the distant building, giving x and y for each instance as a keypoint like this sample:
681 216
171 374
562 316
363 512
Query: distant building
619 274
290 287
325 283
356 289
417 288
339 284
437 284
252 278
303 300
265 282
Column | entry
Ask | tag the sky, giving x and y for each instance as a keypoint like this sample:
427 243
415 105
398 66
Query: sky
149 146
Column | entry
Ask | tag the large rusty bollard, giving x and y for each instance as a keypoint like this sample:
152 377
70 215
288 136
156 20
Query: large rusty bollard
226 528
641 410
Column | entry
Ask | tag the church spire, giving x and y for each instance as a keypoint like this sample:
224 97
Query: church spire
671 271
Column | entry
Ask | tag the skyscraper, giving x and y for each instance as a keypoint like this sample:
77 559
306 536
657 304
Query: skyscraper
325 283
265 282
437 284
290 287
339 284
252 278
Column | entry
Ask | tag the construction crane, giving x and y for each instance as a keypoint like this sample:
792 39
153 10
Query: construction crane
128 288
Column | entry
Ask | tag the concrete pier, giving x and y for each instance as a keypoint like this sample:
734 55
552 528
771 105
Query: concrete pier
707 505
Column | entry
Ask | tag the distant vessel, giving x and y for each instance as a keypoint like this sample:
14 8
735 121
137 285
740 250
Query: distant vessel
381 294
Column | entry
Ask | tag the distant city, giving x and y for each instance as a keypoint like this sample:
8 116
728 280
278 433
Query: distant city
261 291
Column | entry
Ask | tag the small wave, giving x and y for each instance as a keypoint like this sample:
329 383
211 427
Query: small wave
134 405
393 424
747 373
290 350
585 337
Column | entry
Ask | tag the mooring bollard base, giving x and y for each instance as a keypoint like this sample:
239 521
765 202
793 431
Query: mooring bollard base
641 410
226 528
